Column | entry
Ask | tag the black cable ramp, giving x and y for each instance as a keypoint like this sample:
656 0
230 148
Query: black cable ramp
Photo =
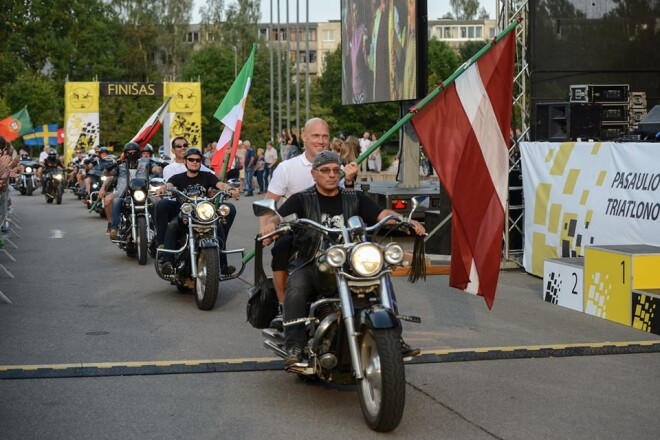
146 368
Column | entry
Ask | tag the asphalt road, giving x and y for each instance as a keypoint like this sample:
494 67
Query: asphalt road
78 303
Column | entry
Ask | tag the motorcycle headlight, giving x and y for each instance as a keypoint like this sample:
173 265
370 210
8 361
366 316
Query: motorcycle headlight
186 208
28 169
393 254
336 256
224 210
366 259
139 196
205 211
103 178
57 176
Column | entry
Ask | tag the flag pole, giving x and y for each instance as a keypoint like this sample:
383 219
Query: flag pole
225 163
441 87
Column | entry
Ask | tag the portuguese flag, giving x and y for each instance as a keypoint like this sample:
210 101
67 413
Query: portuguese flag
16 125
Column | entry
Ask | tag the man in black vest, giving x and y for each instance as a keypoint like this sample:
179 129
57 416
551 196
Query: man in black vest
326 203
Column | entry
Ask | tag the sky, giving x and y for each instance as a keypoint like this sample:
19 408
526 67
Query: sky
324 10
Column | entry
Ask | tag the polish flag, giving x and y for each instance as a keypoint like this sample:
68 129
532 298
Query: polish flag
153 124
465 134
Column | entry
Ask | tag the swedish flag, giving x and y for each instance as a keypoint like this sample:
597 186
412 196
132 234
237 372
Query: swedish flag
42 135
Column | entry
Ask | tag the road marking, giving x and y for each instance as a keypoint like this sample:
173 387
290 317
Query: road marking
143 368
56 233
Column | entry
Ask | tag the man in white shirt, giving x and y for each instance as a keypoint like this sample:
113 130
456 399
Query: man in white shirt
270 159
365 143
178 166
290 177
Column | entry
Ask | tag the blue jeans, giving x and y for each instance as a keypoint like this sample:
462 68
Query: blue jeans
260 180
249 175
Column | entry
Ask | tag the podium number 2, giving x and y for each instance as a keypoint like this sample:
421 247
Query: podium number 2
574 292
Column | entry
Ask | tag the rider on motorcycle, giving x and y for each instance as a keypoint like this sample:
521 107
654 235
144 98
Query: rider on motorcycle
123 170
193 162
148 153
325 203
101 163
51 163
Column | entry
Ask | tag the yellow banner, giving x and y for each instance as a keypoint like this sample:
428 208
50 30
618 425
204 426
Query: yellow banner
81 117
185 113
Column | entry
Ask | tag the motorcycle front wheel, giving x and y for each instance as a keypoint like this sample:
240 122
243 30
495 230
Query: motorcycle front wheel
382 389
29 188
60 192
142 241
206 282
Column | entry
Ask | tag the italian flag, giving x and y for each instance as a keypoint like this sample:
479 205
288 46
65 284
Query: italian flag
230 113
151 127
465 133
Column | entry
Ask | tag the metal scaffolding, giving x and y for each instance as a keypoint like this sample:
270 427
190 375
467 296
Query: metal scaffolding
507 11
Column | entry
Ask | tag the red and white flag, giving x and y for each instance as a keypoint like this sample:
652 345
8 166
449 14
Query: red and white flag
153 124
465 134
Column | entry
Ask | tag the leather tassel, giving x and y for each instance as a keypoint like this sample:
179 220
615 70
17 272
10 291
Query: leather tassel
418 265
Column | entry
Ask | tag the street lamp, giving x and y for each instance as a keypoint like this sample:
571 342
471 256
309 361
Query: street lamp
235 50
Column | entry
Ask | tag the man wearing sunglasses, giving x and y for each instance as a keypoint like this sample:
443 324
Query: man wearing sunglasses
194 176
327 203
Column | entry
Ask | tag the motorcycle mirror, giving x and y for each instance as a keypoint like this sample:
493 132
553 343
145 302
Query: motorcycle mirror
265 206
234 183
419 202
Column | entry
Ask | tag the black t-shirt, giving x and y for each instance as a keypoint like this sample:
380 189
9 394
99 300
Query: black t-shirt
182 181
331 209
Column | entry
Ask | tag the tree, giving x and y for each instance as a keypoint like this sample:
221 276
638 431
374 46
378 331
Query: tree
443 61
211 14
470 48
240 27
173 26
464 9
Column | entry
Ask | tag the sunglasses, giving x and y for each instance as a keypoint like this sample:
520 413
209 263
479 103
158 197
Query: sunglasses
180 145
327 171
194 160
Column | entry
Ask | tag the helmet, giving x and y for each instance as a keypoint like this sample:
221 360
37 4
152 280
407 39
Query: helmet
104 150
148 148
192 151
131 146
52 153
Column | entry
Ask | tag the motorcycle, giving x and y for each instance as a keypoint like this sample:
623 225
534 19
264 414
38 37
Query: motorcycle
354 335
54 186
197 261
27 182
93 202
136 226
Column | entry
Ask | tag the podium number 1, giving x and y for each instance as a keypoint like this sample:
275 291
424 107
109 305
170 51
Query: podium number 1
623 271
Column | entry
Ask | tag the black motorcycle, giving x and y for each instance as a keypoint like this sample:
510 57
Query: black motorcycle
27 182
135 230
54 186
197 261
354 335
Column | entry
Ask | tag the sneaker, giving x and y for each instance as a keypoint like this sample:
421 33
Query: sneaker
167 268
113 233
408 351
294 356
228 270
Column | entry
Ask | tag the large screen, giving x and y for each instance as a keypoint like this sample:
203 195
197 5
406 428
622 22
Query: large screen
379 50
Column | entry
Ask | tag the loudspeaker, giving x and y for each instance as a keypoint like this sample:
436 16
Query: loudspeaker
650 125
585 121
552 121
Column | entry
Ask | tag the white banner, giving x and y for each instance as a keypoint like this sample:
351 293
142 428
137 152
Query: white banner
580 194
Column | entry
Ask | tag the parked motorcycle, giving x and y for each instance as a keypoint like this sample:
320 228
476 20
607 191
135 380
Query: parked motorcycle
27 182
354 335
197 263
54 186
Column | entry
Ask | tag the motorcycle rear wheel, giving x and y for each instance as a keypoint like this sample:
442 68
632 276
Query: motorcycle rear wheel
142 241
206 282
382 389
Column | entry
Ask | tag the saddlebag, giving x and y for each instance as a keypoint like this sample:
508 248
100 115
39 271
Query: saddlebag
262 306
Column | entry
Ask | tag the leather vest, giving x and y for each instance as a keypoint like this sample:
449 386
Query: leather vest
306 243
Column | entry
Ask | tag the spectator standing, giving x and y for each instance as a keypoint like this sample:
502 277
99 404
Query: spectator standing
270 159
259 170
375 160
365 143
250 160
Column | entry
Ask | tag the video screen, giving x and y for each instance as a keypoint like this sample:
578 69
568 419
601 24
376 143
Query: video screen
379 50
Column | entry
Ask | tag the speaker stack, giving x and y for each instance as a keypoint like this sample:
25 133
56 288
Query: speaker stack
600 111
